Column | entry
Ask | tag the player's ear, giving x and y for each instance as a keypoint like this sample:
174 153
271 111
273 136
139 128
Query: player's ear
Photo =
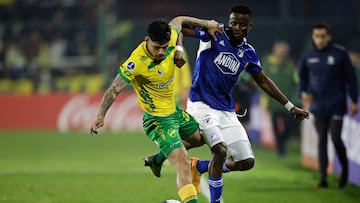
147 38
250 26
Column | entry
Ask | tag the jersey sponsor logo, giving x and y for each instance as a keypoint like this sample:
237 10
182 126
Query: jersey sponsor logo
174 144
130 65
227 63
165 85
313 60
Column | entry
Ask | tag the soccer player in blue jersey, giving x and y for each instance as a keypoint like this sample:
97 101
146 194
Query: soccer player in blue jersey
218 65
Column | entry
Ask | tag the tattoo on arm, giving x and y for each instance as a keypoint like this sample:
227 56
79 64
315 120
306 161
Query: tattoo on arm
188 22
110 95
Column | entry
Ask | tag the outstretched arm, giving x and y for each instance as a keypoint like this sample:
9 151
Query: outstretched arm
266 84
181 22
107 100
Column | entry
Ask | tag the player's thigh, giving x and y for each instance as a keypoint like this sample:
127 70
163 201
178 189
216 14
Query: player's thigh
209 122
164 131
237 143
188 126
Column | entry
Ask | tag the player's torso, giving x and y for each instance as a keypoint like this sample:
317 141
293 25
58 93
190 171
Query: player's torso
153 81
223 62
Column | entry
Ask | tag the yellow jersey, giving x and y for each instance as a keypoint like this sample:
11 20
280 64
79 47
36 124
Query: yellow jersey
152 81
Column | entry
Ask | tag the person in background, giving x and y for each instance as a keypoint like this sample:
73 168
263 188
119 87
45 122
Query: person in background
327 77
150 70
354 55
281 69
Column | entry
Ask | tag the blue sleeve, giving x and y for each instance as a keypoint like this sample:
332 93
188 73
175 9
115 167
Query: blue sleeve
202 35
253 65
351 78
303 76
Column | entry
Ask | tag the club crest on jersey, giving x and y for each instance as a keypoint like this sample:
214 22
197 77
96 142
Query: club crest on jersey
330 60
130 65
240 53
227 63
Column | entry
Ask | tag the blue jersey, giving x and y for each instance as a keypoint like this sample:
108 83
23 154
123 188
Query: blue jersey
217 68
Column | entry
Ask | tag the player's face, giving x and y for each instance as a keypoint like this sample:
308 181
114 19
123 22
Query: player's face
321 38
156 49
240 24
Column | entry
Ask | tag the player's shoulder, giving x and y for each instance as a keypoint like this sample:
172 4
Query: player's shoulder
138 56
340 49
247 46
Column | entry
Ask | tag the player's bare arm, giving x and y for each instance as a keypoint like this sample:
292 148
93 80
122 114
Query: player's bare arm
179 59
212 26
188 32
109 97
266 84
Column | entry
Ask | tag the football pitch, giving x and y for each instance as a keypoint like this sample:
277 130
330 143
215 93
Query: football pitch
49 167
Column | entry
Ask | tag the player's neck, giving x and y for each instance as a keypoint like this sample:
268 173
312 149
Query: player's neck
233 40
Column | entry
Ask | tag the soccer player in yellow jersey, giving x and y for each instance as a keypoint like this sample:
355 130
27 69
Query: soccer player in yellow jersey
150 70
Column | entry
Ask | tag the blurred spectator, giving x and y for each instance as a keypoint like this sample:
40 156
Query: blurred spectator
79 45
243 92
15 61
57 48
281 69
31 50
44 82
354 55
2 59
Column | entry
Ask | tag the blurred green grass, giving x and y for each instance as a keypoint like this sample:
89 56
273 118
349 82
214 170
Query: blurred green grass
47 167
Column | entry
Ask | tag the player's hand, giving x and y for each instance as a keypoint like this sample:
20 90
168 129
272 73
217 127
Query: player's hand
299 114
353 109
179 59
99 122
214 27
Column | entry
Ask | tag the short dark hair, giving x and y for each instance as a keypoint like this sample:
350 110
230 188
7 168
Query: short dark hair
322 26
241 8
159 31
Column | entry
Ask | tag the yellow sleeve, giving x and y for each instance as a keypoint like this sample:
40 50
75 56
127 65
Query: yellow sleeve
132 66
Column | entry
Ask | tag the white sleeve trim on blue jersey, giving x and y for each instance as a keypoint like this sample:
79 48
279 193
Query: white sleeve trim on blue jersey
202 35
203 46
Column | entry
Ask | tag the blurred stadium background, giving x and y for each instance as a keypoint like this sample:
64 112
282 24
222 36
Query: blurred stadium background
58 56
62 45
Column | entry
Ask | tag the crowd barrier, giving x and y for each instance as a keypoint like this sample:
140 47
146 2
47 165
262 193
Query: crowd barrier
66 112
